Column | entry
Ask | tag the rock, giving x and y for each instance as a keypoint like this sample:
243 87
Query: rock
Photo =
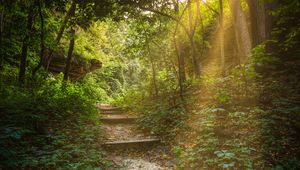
79 65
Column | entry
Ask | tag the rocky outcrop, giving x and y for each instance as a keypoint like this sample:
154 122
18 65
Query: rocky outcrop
79 65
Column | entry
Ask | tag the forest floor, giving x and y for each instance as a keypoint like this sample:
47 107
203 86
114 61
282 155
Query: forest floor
128 148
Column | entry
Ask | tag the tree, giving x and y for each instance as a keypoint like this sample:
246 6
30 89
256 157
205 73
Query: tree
42 39
257 21
242 36
222 51
70 53
1 32
180 57
69 14
191 36
25 45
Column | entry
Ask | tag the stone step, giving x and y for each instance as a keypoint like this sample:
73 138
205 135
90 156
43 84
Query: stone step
109 108
110 111
121 115
124 132
139 144
118 119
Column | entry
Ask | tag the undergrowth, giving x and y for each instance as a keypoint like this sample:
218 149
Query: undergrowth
251 123
49 124
163 120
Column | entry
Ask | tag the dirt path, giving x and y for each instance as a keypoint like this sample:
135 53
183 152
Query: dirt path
128 147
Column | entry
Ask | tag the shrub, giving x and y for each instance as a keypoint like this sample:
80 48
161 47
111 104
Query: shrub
49 124
162 119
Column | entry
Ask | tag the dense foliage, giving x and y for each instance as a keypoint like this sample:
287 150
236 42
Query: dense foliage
50 125
212 79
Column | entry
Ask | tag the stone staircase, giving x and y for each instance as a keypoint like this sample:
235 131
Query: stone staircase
121 131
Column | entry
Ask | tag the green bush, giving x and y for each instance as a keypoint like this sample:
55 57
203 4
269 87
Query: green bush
49 124
262 61
131 99
162 119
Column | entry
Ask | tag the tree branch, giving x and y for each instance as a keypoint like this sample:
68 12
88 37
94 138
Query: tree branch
168 16
211 8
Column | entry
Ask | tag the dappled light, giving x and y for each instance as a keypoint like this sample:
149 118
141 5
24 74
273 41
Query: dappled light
150 85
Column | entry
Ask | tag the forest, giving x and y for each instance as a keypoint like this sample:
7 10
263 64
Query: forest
150 84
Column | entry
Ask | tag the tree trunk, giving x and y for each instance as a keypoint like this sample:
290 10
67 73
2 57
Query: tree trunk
257 21
191 36
153 70
1 34
69 14
22 69
270 23
202 28
241 31
222 52
42 39
154 77
69 57
180 58
181 65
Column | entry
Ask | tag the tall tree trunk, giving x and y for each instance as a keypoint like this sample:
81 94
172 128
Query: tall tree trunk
181 65
180 57
200 20
69 57
69 14
42 39
241 30
1 34
257 21
270 23
23 61
222 51
191 36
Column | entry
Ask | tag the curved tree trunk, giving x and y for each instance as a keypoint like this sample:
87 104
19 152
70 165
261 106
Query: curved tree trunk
69 14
